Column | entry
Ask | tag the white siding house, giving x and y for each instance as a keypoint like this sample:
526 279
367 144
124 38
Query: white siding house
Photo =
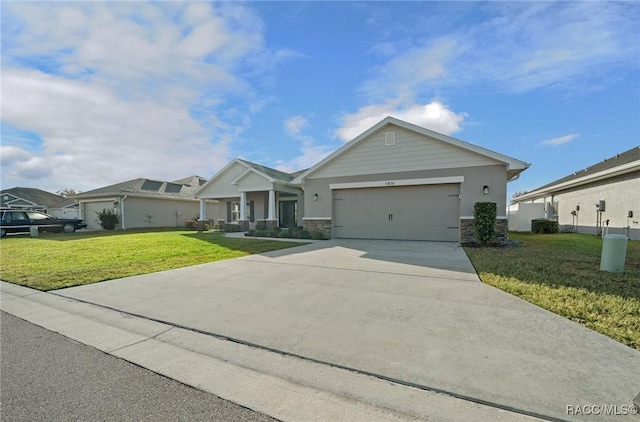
602 197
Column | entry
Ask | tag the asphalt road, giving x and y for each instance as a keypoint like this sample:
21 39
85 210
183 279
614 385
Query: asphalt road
48 377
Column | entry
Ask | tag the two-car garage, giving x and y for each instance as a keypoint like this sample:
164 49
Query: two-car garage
393 211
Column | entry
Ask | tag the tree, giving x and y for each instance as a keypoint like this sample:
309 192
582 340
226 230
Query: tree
517 194
67 192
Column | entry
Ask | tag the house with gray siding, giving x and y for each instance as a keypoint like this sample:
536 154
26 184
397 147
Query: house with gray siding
394 181
146 203
604 197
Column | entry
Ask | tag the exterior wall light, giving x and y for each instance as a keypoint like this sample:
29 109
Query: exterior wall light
485 189
315 196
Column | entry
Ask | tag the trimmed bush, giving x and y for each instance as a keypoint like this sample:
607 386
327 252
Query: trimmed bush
484 222
108 219
304 234
317 235
544 226
261 225
231 228
191 224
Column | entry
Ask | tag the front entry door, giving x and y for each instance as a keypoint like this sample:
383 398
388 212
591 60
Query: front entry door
287 214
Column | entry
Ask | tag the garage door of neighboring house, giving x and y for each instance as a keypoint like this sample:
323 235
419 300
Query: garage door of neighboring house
89 216
425 212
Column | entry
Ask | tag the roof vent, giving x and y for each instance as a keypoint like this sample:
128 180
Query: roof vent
389 139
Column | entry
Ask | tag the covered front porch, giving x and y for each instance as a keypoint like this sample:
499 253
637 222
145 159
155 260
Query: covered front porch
281 207
249 193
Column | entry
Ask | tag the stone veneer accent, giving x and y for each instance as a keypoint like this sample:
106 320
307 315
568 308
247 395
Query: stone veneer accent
271 224
467 230
323 226
243 224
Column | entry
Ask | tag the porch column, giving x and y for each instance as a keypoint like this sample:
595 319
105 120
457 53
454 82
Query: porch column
272 205
203 215
203 210
243 206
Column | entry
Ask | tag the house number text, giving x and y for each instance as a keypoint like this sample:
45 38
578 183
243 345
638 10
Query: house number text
389 183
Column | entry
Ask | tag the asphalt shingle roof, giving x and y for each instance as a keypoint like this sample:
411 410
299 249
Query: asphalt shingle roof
182 188
618 160
37 196
273 173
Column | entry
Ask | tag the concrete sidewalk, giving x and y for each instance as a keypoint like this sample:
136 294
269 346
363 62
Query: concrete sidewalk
411 315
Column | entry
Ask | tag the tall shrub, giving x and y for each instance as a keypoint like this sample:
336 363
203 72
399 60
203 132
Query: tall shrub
108 219
484 218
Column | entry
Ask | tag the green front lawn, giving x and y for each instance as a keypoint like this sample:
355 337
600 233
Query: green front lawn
53 261
560 272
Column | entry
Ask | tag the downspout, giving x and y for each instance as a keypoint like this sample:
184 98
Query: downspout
122 212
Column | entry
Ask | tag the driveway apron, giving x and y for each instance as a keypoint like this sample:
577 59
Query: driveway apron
414 312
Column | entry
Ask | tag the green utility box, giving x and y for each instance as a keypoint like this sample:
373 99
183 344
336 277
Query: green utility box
614 251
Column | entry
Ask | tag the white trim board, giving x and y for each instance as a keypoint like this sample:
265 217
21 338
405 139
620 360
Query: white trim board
470 217
401 182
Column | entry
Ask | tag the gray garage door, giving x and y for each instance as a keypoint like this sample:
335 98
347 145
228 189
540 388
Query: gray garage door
89 216
427 212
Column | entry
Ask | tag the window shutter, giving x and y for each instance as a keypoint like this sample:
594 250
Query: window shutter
229 218
252 212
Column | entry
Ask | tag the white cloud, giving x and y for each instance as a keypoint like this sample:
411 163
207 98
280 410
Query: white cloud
294 125
520 47
405 73
119 90
554 142
434 116
92 137
309 155
10 155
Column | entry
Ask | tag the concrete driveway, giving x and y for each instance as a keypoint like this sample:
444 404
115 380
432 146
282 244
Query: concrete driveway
414 312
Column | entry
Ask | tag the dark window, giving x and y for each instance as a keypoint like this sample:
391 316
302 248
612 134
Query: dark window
14 216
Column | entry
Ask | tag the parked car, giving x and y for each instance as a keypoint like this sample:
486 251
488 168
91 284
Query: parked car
21 221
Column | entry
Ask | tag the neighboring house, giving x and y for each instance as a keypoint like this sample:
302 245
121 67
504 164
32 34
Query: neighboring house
146 203
394 181
38 200
585 201
68 208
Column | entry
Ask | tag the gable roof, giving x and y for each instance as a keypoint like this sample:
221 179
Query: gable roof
179 189
622 163
34 196
514 166
268 171
270 174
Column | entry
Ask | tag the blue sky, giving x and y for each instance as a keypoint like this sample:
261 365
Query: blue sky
95 93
